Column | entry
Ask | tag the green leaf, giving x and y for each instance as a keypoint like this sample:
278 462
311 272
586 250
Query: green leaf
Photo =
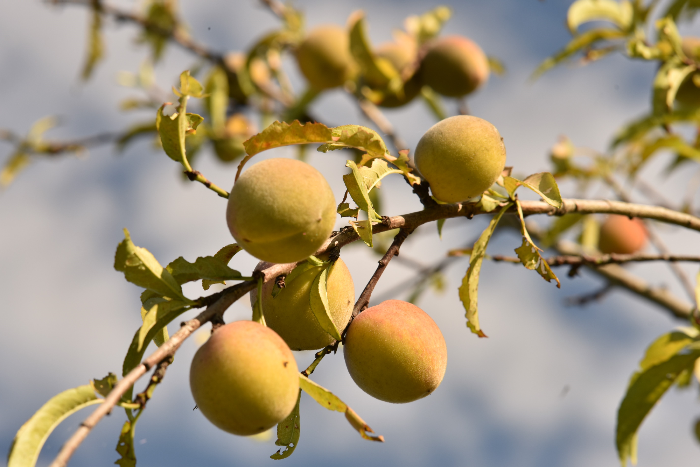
189 86
361 180
318 299
429 24
208 268
95 42
300 269
161 14
666 83
30 438
174 128
161 337
645 389
224 255
14 166
666 346
327 399
488 203
468 291
545 185
216 101
440 223
673 142
364 230
583 11
280 134
638 128
434 102
358 137
496 66
345 211
511 184
530 255
160 313
578 43
141 268
402 163
125 446
288 433
376 71
105 385
560 225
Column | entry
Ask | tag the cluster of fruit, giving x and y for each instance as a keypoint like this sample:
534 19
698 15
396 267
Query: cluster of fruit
453 66
244 379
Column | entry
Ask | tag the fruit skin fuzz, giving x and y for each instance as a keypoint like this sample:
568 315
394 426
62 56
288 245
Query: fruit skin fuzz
244 379
460 157
622 235
281 210
395 352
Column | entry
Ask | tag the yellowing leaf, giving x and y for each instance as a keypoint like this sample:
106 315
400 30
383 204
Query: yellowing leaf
378 72
401 163
345 211
468 291
530 255
288 433
30 438
546 186
173 130
208 268
216 100
666 83
364 230
105 385
14 165
583 11
318 298
141 268
95 42
332 402
281 134
125 446
358 137
429 24
224 255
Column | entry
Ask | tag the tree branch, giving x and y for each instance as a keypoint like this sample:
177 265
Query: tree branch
602 260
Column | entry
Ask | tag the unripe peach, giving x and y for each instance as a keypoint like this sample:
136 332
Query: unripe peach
622 235
454 66
244 379
460 157
395 352
289 313
281 210
324 57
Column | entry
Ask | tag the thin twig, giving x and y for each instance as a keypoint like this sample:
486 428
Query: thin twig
596 296
655 239
196 176
602 260
165 351
376 116
363 302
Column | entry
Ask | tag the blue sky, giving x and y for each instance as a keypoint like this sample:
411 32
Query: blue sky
542 391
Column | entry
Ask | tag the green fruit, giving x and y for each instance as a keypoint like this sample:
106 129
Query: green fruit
454 66
244 379
281 210
691 47
324 57
622 235
401 55
395 352
460 157
289 313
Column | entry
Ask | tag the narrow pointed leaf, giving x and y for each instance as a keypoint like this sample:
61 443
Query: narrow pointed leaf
364 230
30 438
125 446
645 390
95 43
583 11
288 433
376 71
468 291
15 164
224 255
327 399
141 268
530 255
318 298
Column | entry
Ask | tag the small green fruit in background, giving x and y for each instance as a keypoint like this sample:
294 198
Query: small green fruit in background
281 210
324 57
622 235
244 379
688 94
460 157
454 66
289 313
395 352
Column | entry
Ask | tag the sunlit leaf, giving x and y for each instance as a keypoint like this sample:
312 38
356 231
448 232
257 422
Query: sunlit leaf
364 230
583 11
14 166
288 433
161 15
160 312
224 255
30 438
125 446
284 134
318 297
645 389
429 24
216 100
357 137
468 291
402 163
578 43
666 83
673 142
440 224
208 268
496 66
638 128
376 71
105 385
140 267
546 186
332 402
345 211
530 255
173 130
95 43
